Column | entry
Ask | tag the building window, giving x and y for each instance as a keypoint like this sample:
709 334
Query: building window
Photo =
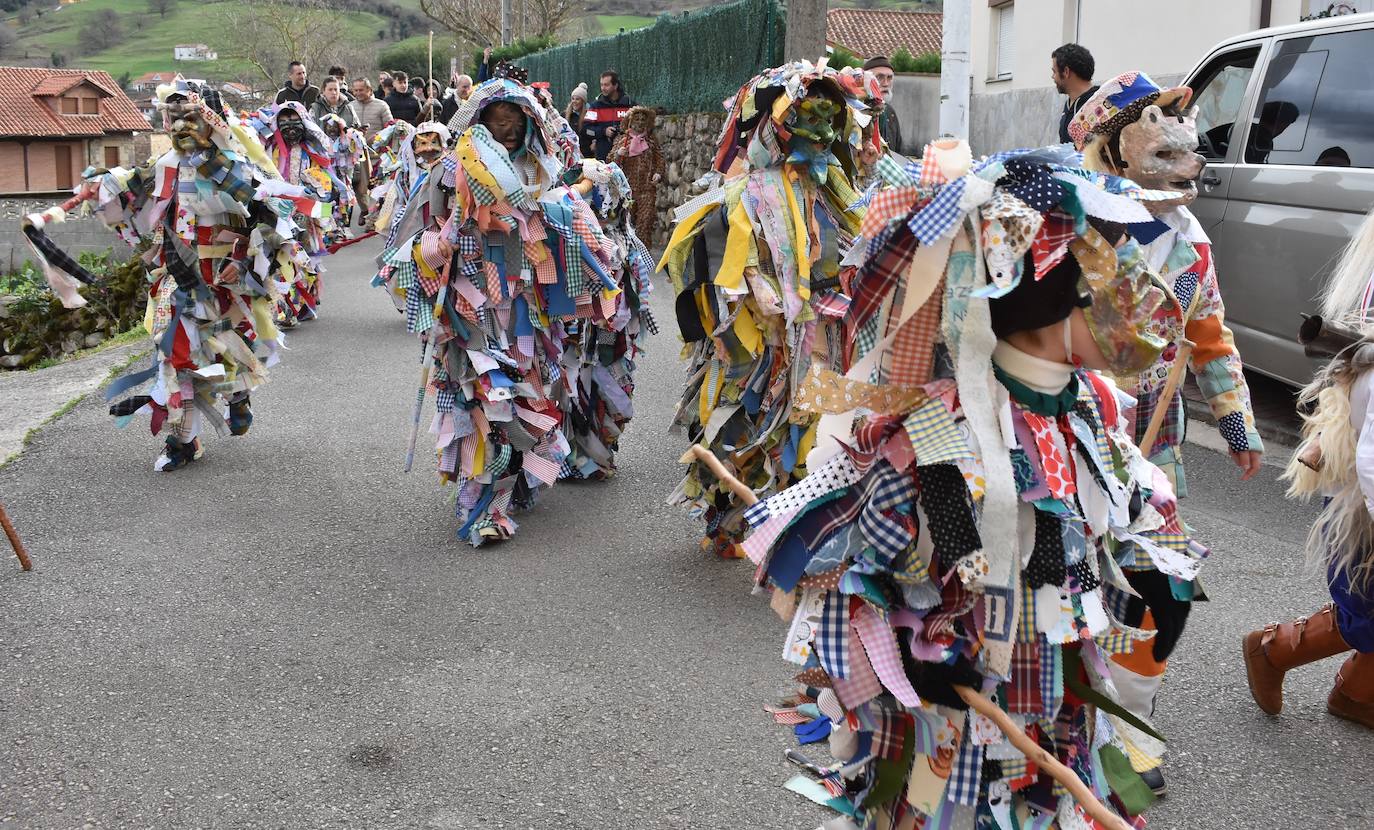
70 106
90 106
111 157
1004 29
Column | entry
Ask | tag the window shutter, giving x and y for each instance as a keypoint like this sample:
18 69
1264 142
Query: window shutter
1006 40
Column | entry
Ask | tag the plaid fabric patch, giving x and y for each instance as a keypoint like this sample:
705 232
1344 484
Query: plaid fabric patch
887 490
831 304
1051 680
1171 432
445 401
881 646
889 734
908 363
940 216
934 435
967 774
879 276
1023 692
832 636
885 206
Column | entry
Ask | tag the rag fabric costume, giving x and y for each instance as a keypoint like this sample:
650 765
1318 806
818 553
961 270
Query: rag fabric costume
303 156
1336 462
776 303
975 515
222 244
348 150
394 167
599 354
411 205
637 152
500 280
1132 127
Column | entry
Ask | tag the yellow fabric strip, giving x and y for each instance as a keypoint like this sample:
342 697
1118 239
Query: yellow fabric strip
684 232
731 271
801 239
479 456
748 333
264 322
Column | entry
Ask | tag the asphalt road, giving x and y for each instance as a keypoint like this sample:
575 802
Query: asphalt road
287 634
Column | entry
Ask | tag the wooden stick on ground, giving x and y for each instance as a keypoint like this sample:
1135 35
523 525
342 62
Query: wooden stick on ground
976 701
24 561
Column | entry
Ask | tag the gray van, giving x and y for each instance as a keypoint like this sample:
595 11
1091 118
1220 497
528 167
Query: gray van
1286 120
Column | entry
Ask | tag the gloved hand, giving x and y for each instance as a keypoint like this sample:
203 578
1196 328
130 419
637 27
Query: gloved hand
1169 614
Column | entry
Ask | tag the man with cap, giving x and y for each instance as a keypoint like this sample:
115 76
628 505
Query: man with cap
1134 129
888 125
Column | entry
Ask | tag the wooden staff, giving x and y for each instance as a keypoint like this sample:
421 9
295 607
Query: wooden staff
24 561
425 362
982 705
1171 384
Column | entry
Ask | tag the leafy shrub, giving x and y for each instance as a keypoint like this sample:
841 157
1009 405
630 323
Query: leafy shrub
903 61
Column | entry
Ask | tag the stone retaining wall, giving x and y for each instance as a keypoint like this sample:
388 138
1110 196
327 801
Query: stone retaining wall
689 145
73 236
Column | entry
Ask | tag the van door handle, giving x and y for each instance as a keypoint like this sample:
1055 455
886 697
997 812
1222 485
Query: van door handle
1211 181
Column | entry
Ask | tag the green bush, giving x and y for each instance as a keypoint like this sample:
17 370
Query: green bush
34 325
412 57
517 49
903 61
841 58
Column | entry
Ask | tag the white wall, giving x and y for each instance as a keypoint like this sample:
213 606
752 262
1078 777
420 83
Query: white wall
1162 37
916 100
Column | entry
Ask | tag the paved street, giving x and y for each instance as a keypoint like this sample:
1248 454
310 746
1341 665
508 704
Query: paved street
287 634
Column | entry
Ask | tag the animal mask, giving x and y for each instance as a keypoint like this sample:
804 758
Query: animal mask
1158 153
186 123
291 126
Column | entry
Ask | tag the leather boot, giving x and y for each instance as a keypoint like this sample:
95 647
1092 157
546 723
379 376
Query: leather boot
1280 647
1352 697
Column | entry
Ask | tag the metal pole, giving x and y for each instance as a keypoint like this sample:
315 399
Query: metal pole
505 22
955 78
805 38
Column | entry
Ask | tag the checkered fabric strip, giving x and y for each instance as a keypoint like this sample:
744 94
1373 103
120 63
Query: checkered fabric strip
880 644
879 276
862 685
866 338
1051 679
419 312
934 435
967 773
445 401
887 490
908 362
646 316
1023 692
939 217
892 172
1171 432
1026 627
832 636
885 206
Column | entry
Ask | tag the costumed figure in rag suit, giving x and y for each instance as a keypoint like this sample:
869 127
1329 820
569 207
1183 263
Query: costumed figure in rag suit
348 148
1134 129
519 255
220 249
637 152
394 161
755 322
602 344
973 503
412 205
1335 462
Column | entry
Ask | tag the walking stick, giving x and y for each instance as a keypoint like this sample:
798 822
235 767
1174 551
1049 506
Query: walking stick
976 701
1171 384
24 561
424 379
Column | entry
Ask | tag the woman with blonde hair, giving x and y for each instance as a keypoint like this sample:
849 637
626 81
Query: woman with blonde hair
1336 461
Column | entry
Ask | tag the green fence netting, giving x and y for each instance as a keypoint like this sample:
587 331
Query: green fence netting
687 62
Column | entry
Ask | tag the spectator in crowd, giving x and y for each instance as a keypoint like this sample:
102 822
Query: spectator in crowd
486 70
459 88
384 85
332 102
404 105
602 131
577 109
297 87
370 114
342 74
1072 67
888 125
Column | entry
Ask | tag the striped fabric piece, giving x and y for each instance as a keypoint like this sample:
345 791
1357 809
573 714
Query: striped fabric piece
881 646
832 636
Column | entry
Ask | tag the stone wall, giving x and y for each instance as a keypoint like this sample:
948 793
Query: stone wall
689 145
75 235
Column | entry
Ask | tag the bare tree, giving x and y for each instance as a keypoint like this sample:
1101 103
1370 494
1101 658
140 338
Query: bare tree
102 31
269 35
479 21
160 7
8 40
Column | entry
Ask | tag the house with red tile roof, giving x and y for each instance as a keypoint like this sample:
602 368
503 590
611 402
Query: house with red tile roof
150 81
870 32
54 123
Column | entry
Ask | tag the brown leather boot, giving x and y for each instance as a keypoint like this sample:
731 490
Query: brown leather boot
1352 697
1280 647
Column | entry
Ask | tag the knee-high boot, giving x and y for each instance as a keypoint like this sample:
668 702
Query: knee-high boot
1271 652
1352 697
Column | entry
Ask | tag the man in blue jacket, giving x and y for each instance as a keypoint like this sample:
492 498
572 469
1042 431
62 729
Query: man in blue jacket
601 122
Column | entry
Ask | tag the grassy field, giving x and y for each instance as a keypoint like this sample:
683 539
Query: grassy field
612 23
148 39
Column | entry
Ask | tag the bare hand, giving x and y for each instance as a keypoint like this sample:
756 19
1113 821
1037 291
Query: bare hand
445 249
1249 463
486 53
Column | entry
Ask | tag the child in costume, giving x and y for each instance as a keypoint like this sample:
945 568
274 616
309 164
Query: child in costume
778 298
600 350
1133 128
1335 461
221 245
348 148
411 205
637 152
497 277
974 504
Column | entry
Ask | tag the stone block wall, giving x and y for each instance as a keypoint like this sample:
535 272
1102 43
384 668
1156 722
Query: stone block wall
689 146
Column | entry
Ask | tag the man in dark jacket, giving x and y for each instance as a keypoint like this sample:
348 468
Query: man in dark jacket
297 87
600 123
404 105
888 125
1072 67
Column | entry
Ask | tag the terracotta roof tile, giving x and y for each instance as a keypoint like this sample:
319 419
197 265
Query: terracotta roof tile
869 32
23 114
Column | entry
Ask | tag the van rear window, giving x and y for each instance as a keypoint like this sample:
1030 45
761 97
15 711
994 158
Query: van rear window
1316 105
